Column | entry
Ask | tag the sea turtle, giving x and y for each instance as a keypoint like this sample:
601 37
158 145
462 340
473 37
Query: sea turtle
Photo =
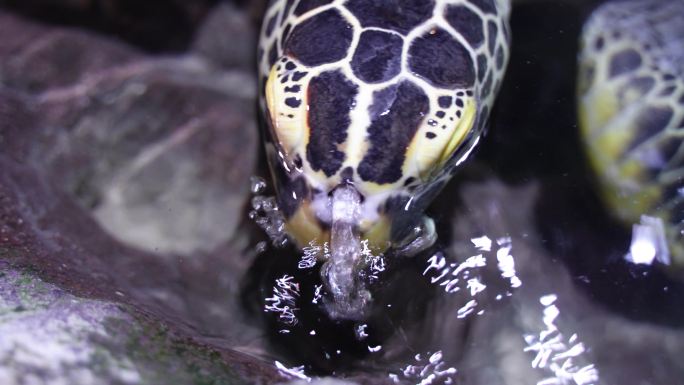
631 114
385 96
384 99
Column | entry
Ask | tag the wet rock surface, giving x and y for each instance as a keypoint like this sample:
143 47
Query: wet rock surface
122 181
53 337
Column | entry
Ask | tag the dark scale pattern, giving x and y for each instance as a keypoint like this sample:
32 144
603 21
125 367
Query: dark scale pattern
492 31
377 57
305 6
444 101
486 6
288 6
481 66
642 85
443 61
483 117
297 76
651 121
668 148
507 33
499 58
293 102
467 22
310 41
272 55
270 24
397 15
599 43
487 87
391 133
624 62
668 91
285 35
264 80
291 193
331 97
347 175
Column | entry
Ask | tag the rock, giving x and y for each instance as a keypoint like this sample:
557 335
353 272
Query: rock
92 158
164 27
548 314
52 337
36 59
227 38
151 147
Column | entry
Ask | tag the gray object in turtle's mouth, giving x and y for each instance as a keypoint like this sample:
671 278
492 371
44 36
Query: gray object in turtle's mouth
340 272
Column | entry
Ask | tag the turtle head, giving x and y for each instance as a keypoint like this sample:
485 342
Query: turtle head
395 144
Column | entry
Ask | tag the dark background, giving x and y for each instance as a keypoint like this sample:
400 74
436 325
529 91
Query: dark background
154 25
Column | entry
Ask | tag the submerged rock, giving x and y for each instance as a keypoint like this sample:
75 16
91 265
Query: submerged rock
122 182
149 146
53 337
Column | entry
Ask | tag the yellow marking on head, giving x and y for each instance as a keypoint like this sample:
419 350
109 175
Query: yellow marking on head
627 204
304 228
607 133
597 108
292 132
426 156
465 124
379 235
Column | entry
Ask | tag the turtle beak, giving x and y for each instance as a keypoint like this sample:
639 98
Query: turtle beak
312 221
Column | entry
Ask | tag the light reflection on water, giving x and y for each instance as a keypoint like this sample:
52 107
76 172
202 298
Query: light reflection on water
464 278
479 283
648 242
561 357
428 369
284 300
454 276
